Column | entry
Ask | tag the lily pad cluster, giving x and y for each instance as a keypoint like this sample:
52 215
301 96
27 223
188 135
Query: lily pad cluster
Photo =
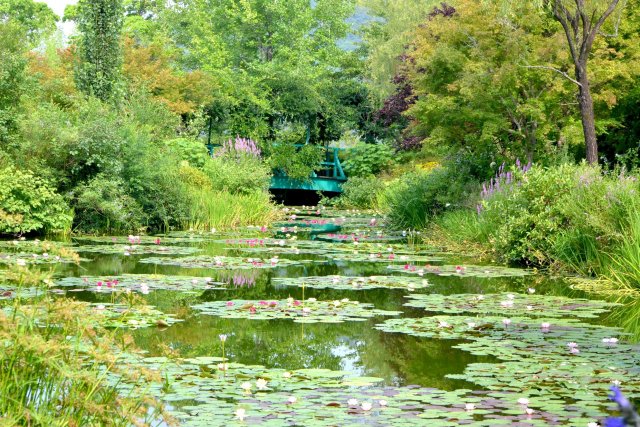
215 391
353 283
37 258
8 292
143 283
308 311
484 271
510 304
131 317
550 360
138 249
223 262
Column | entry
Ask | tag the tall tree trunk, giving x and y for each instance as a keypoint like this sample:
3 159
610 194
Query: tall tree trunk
588 117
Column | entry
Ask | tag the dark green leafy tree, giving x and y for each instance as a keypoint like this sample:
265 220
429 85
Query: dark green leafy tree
13 78
100 24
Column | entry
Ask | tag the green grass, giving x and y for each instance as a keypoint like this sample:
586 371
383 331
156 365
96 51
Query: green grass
55 364
222 210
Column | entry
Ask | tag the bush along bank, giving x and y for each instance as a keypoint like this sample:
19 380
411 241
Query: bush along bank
573 218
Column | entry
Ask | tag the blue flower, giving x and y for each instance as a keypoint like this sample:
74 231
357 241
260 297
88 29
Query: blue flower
619 398
615 422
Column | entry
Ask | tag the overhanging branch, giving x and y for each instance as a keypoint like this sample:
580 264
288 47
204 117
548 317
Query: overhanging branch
565 75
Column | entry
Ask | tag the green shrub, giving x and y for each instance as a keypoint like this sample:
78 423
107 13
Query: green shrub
418 197
524 217
241 175
298 164
194 178
100 145
155 182
190 150
102 205
28 203
360 192
568 214
368 159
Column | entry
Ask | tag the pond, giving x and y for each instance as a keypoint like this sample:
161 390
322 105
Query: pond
329 319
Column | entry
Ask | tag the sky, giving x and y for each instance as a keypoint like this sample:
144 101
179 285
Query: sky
58 7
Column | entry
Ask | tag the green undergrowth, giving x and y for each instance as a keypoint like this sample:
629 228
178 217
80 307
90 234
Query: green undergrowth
571 218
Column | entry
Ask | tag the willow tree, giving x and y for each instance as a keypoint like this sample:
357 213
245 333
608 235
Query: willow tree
582 21
100 53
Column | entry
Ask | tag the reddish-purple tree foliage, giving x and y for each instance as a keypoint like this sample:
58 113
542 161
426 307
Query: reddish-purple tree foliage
391 115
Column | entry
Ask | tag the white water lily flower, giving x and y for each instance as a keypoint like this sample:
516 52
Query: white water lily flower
593 424
223 337
531 291
287 375
241 413
261 383
523 401
382 402
366 406
545 325
529 411
506 322
100 307
292 399
471 325
246 386
469 406
306 310
312 300
352 402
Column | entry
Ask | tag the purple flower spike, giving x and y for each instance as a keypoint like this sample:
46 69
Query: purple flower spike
629 415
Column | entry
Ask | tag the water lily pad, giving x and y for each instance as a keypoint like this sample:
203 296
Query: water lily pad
210 391
131 317
223 262
143 283
353 283
308 311
461 271
511 305
38 258
138 249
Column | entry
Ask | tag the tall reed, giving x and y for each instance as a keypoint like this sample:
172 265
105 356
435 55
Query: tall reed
222 210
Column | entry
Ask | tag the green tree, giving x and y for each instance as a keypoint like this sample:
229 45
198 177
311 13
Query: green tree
13 78
276 62
582 21
473 89
100 24
390 27
36 18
